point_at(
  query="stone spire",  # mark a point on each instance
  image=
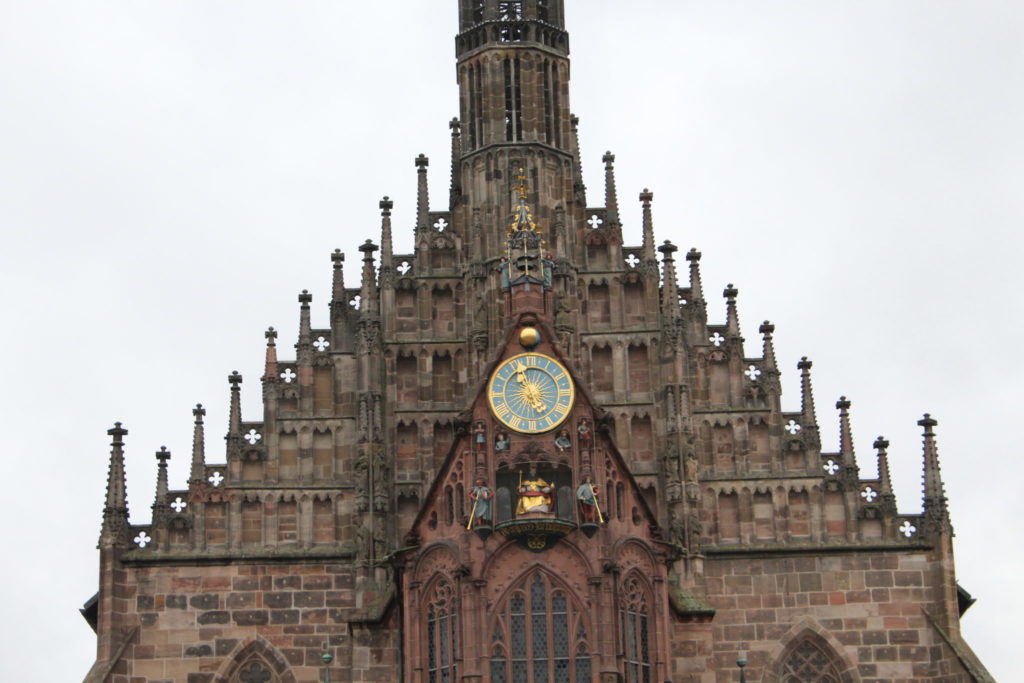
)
(670, 287)
(422, 195)
(235, 416)
(768, 349)
(304, 345)
(198, 470)
(386, 246)
(936, 512)
(851, 473)
(338, 276)
(886, 499)
(646, 197)
(270, 363)
(810, 418)
(611, 199)
(455, 192)
(845, 433)
(578, 188)
(696, 287)
(368, 295)
(732, 318)
(114, 531)
(161, 510)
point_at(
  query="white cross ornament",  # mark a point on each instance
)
(907, 529)
(321, 344)
(216, 478)
(792, 427)
(288, 376)
(404, 267)
(632, 260)
(143, 539)
(178, 505)
(595, 221)
(752, 373)
(716, 339)
(354, 302)
(441, 224)
(869, 494)
(831, 467)
(252, 437)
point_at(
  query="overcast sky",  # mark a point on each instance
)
(172, 174)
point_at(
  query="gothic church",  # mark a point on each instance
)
(526, 452)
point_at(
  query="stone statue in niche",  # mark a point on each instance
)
(583, 434)
(480, 437)
(501, 442)
(586, 496)
(534, 494)
(481, 496)
(562, 441)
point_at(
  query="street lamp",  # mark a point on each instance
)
(741, 662)
(327, 659)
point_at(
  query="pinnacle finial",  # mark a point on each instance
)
(611, 200)
(159, 507)
(197, 470)
(115, 509)
(235, 416)
(271, 335)
(385, 207)
(732, 319)
(768, 350)
(810, 418)
(936, 513)
(646, 197)
(881, 445)
(845, 432)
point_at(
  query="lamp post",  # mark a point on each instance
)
(327, 659)
(741, 662)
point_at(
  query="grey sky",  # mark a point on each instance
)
(172, 174)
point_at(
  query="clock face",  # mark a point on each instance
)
(531, 393)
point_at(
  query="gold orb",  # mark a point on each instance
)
(529, 337)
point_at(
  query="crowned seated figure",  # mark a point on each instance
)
(534, 495)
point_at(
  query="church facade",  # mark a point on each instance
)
(526, 452)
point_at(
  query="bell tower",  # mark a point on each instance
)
(513, 74)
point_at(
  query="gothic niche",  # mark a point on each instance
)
(535, 504)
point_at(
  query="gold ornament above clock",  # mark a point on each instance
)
(531, 393)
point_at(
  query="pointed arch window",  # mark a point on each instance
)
(442, 635)
(809, 662)
(539, 636)
(634, 617)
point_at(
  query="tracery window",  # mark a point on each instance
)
(510, 11)
(539, 637)
(635, 629)
(255, 671)
(442, 635)
(809, 663)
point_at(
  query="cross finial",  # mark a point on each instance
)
(368, 247)
(271, 335)
(927, 422)
(385, 206)
(646, 197)
(163, 455)
(455, 126)
(118, 433)
(843, 405)
(880, 444)
(608, 159)
(422, 162)
(667, 249)
(235, 379)
(693, 255)
(338, 257)
(730, 292)
(198, 413)
(766, 329)
(305, 297)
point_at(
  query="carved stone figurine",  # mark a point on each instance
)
(583, 433)
(481, 496)
(480, 437)
(586, 496)
(534, 494)
(501, 442)
(562, 441)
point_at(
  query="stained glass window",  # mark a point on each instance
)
(442, 635)
(541, 647)
(633, 615)
(809, 663)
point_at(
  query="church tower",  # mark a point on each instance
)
(525, 452)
